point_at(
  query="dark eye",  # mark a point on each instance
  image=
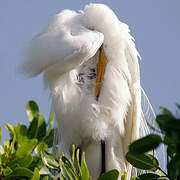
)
(91, 28)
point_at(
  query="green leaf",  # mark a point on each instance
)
(23, 130)
(12, 134)
(172, 148)
(174, 167)
(41, 147)
(25, 161)
(78, 162)
(36, 175)
(67, 173)
(142, 161)
(73, 154)
(20, 171)
(49, 160)
(169, 141)
(66, 162)
(165, 111)
(11, 130)
(7, 171)
(67, 169)
(21, 133)
(45, 178)
(49, 140)
(124, 176)
(148, 176)
(33, 128)
(168, 124)
(110, 175)
(171, 151)
(41, 127)
(84, 168)
(37, 128)
(6, 145)
(145, 144)
(26, 148)
(50, 124)
(36, 162)
(61, 177)
(32, 110)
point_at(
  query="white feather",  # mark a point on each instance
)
(149, 124)
(68, 47)
(64, 44)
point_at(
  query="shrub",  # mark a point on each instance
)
(27, 154)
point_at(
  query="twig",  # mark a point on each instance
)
(163, 172)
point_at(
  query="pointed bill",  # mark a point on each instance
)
(101, 67)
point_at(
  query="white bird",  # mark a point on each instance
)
(90, 64)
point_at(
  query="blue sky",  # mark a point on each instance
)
(154, 24)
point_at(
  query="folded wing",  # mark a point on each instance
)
(61, 46)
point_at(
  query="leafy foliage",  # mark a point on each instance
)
(27, 154)
(20, 155)
(139, 157)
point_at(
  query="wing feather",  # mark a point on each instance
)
(132, 123)
(149, 125)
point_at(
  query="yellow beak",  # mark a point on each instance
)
(101, 67)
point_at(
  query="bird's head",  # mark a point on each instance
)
(101, 18)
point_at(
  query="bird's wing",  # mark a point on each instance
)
(134, 110)
(132, 123)
(60, 45)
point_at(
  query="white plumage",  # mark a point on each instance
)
(67, 51)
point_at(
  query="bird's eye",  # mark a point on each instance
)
(91, 28)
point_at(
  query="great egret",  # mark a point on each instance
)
(90, 64)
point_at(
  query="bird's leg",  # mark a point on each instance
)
(103, 157)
